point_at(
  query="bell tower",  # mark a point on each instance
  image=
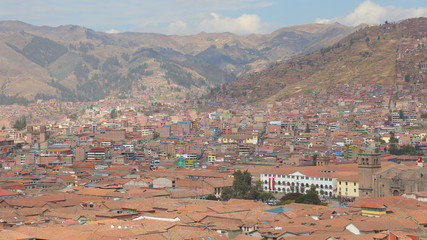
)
(322, 160)
(368, 165)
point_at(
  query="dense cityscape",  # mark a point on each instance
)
(249, 159)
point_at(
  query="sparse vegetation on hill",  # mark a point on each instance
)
(369, 54)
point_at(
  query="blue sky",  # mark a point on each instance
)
(184, 17)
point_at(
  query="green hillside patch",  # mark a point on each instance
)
(43, 51)
(176, 74)
(64, 66)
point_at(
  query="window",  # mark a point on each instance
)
(346, 183)
(355, 190)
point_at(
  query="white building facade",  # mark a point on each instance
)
(297, 182)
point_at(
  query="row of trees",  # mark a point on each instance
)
(311, 197)
(404, 150)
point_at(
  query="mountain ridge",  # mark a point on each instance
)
(79, 64)
(375, 53)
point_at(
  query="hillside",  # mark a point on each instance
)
(386, 54)
(75, 63)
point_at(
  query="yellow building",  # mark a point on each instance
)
(348, 186)
(374, 209)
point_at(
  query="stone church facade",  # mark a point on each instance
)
(376, 181)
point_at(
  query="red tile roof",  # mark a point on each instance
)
(4, 193)
(371, 205)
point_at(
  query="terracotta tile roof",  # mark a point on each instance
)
(394, 202)
(95, 192)
(12, 235)
(223, 223)
(184, 194)
(141, 205)
(371, 205)
(420, 216)
(385, 223)
(4, 193)
(246, 237)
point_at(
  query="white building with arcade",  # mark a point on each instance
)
(299, 180)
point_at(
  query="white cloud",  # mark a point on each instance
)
(244, 24)
(369, 12)
(177, 27)
(112, 31)
(166, 16)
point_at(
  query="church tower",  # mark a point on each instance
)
(368, 164)
(322, 160)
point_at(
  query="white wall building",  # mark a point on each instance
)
(296, 181)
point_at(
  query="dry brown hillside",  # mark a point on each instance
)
(74, 63)
(369, 54)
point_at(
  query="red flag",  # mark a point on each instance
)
(274, 182)
(269, 183)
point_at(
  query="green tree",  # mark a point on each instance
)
(311, 197)
(403, 150)
(227, 193)
(211, 197)
(242, 183)
(314, 159)
(401, 114)
(290, 197)
(393, 138)
(113, 113)
(74, 117)
(307, 128)
(265, 196)
(243, 188)
(17, 146)
(407, 78)
(20, 123)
